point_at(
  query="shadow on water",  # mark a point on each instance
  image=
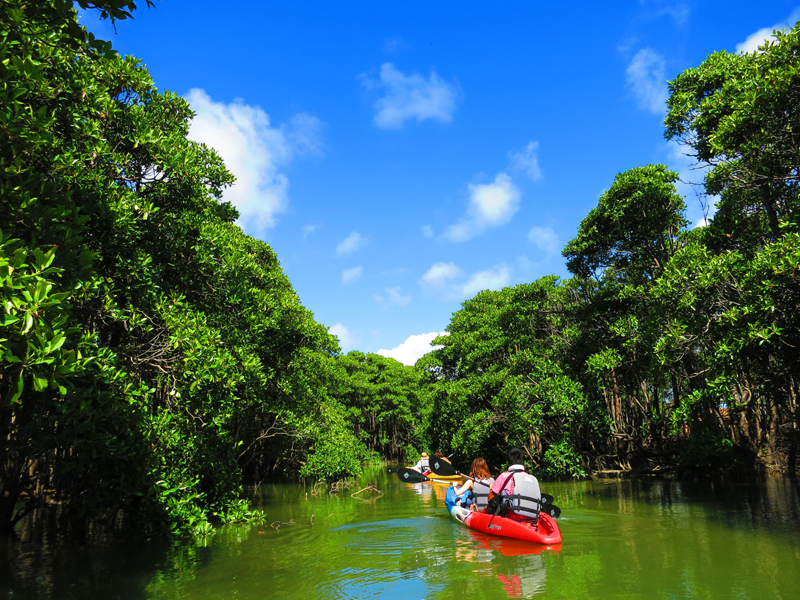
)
(47, 560)
(771, 504)
(663, 538)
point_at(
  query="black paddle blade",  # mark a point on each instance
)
(411, 476)
(441, 467)
(547, 499)
(552, 510)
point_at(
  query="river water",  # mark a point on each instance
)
(622, 539)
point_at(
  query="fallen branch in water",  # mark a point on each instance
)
(369, 487)
(277, 524)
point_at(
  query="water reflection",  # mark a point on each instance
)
(424, 489)
(519, 578)
(622, 539)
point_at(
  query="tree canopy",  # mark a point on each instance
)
(153, 357)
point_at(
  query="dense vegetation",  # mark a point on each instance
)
(154, 357)
(151, 352)
(669, 348)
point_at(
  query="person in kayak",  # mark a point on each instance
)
(443, 457)
(480, 484)
(515, 487)
(422, 464)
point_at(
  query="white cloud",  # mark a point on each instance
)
(439, 275)
(411, 97)
(347, 340)
(427, 231)
(395, 44)
(496, 202)
(486, 280)
(394, 297)
(527, 161)
(679, 12)
(445, 280)
(416, 346)
(545, 239)
(350, 244)
(754, 40)
(352, 275)
(253, 151)
(461, 232)
(647, 80)
(490, 205)
(305, 134)
(308, 230)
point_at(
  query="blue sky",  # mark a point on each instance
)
(402, 156)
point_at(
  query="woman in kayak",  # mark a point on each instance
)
(443, 457)
(479, 484)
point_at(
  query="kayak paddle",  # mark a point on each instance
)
(411, 476)
(442, 467)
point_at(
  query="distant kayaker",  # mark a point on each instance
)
(480, 485)
(505, 485)
(422, 464)
(443, 457)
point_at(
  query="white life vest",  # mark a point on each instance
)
(480, 491)
(527, 497)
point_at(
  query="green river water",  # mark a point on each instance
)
(622, 539)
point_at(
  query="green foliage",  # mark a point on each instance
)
(152, 356)
(337, 453)
(150, 349)
(381, 396)
(497, 381)
(739, 114)
(667, 342)
(634, 228)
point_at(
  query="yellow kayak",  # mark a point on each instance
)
(434, 476)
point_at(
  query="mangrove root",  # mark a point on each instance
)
(369, 487)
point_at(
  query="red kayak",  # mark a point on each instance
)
(544, 531)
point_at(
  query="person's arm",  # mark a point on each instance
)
(466, 487)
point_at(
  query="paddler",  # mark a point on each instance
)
(504, 485)
(480, 483)
(440, 455)
(423, 464)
